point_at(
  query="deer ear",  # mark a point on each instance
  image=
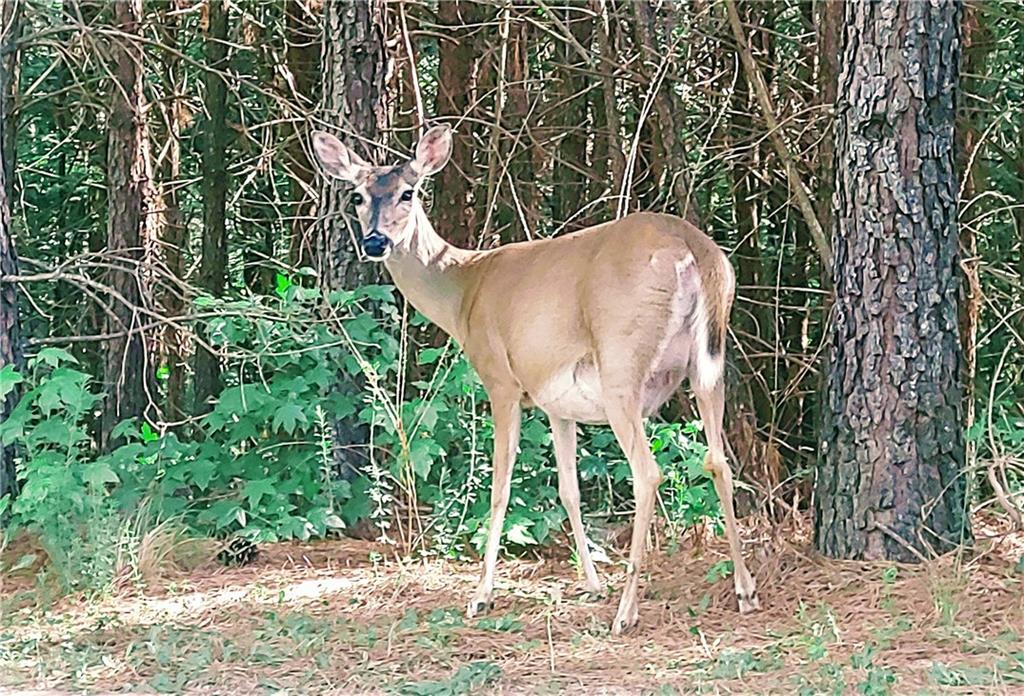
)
(338, 161)
(433, 150)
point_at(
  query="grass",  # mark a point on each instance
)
(349, 617)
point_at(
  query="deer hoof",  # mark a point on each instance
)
(749, 603)
(626, 619)
(478, 606)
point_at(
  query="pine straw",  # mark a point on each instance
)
(327, 618)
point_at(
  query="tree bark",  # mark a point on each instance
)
(521, 170)
(669, 154)
(10, 68)
(214, 259)
(570, 182)
(303, 58)
(608, 147)
(174, 232)
(456, 207)
(354, 101)
(975, 52)
(890, 480)
(10, 334)
(125, 364)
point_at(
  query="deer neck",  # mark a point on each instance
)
(430, 272)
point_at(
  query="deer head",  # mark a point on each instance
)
(385, 197)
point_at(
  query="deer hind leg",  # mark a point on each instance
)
(627, 423)
(563, 432)
(506, 413)
(711, 404)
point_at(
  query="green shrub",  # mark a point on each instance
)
(259, 463)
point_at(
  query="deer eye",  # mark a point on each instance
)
(357, 199)
(406, 195)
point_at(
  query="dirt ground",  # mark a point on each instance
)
(350, 617)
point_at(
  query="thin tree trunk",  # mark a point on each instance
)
(520, 169)
(608, 147)
(829, 23)
(890, 480)
(126, 369)
(669, 147)
(570, 182)
(214, 260)
(303, 58)
(456, 210)
(755, 316)
(173, 232)
(10, 334)
(968, 138)
(760, 89)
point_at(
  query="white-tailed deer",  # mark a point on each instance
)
(597, 326)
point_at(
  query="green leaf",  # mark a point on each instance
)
(55, 356)
(519, 533)
(202, 472)
(148, 434)
(421, 455)
(255, 490)
(163, 373)
(125, 429)
(24, 562)
(14, 427)
(381, 293)
(283, 283)
(98, 474)
(9, 379)
(359, 506)
(288, 416)
(429, 356)
(52, 431)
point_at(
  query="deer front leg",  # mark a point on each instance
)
(506, 414)
(563, 433)
(711, 404)
(627, 423)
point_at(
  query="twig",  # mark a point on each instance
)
(412, 69)
(899, 540)
(764, 98)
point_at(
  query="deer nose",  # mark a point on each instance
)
(376, 245)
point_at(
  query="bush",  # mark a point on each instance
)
(259, 463)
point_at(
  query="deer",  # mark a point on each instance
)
(598, 326)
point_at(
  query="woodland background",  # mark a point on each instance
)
(186, 332)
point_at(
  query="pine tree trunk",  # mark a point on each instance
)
(520, 168)
(126, 368)
(570, 182)
(174, 233)
(668, 158)
(214, 260)
(455, 205)
(10, 335)
(303, 58)
(975, 51)
(354, 99)
(608, 155)
(354, 69)
(890, 480)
